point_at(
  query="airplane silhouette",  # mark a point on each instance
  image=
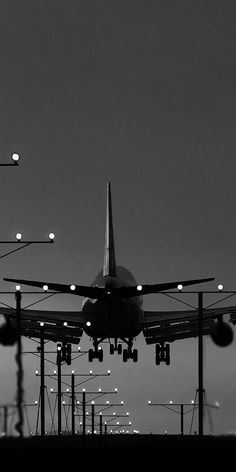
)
(113, 309)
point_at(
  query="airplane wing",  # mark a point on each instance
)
(54, 328)
(169, 326)
(82, 290)
(135, 290)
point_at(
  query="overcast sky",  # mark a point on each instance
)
(141, 93)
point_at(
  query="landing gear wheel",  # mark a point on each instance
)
(100, 355)
(135, 355)
(90, 355)
(112, 349)
(119, 349)
(125, 355)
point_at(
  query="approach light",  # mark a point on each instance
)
(36, 402)
(122, 403)
(59, 347)
(45, 288)
(92, 402)
(79, 348)
(116, 389)
(114, 413)
(84, 390)
(78, 402)
(15, 157)
(65, 323)
(54, 372)
(67, 389)
(130, 422)
(51, 390)
(149, 402)
(72, 371)
(108, 372)
(220, 287)
(117, 422)
(72, 287)
(107, 402)
(139, 288)
(63, 403)
(90, 372)
(36, 372)
(180, 287)
(51, 236)
(192, 401)
(18, 288)
(171, 402)
(88, 323)
(127, 413)
(18, 236)
(41, 324)
(99, 389)
(217, 404)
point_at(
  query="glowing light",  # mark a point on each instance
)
(79, 348)
(108, 372)
(65, 323)
(217, 404)
(18, 288)
(171, 402)
(15, 157)
(36, 402)
(51, 390)
(55, 372)
(122, 403)
(45, 288)
(59, 347)
(88, 323)
(99, 389)
(107, 402)
(220, 287)
(63, 403)
(139, 288)
(72, 371)
(51, 236)
(149, 402)
(36, 372)
(18, 236)
(90, 372)
(41, 324)
(116, 390)
(180, 287)
(127, 413)
(72, 287)
(130, 422)
(77, 402)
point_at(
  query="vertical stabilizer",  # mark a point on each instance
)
(109, 266)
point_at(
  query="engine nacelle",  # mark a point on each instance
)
(222, 334)
(8, 334)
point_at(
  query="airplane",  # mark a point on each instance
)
(112, 309)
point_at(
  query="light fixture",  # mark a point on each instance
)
(45, 288)
(51, 236)
(18, 236)
(88, 323)
(180, 287)
(15, 157)
(72, 287)
(220, 287)
(139, 288)
(18, 288)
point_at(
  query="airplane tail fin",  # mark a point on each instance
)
(109, 265)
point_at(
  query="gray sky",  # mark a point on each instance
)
(141, 94)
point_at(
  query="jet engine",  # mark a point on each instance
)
(8, 334)
(222, 333)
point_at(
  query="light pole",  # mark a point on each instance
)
(15, 157)
(23, 244)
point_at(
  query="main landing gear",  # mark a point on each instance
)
(96, 353)
(162, 353)
(128, 353)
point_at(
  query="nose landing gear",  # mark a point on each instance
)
(162, 354)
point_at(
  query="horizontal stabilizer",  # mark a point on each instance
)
(83, 291)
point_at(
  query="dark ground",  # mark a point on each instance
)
(120, 450)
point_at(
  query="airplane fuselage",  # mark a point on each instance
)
(110, 316)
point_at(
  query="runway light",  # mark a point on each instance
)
(45, 288)
(18, 288)
(36, 402)
(15, 157)
(108, 372)
(41, 324)
(18, 236)
(127, 413)
(72, 287)
(107, 402)
(55, 372)
(90, 372)
(139, 288)
(116, 390)
(79, 348)
(72, 371)
(51, 390)
(88, 323)
(99, 389)
(130, 422)
(192, 401)
(171, 402)
(78, 402)
(65, 323)
(180, 287)
(36, 372)
(220, 287)
(149, 402)
(51, 236)
(63, 403)
(122, 403)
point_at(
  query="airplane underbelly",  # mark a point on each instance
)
(111, 318)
